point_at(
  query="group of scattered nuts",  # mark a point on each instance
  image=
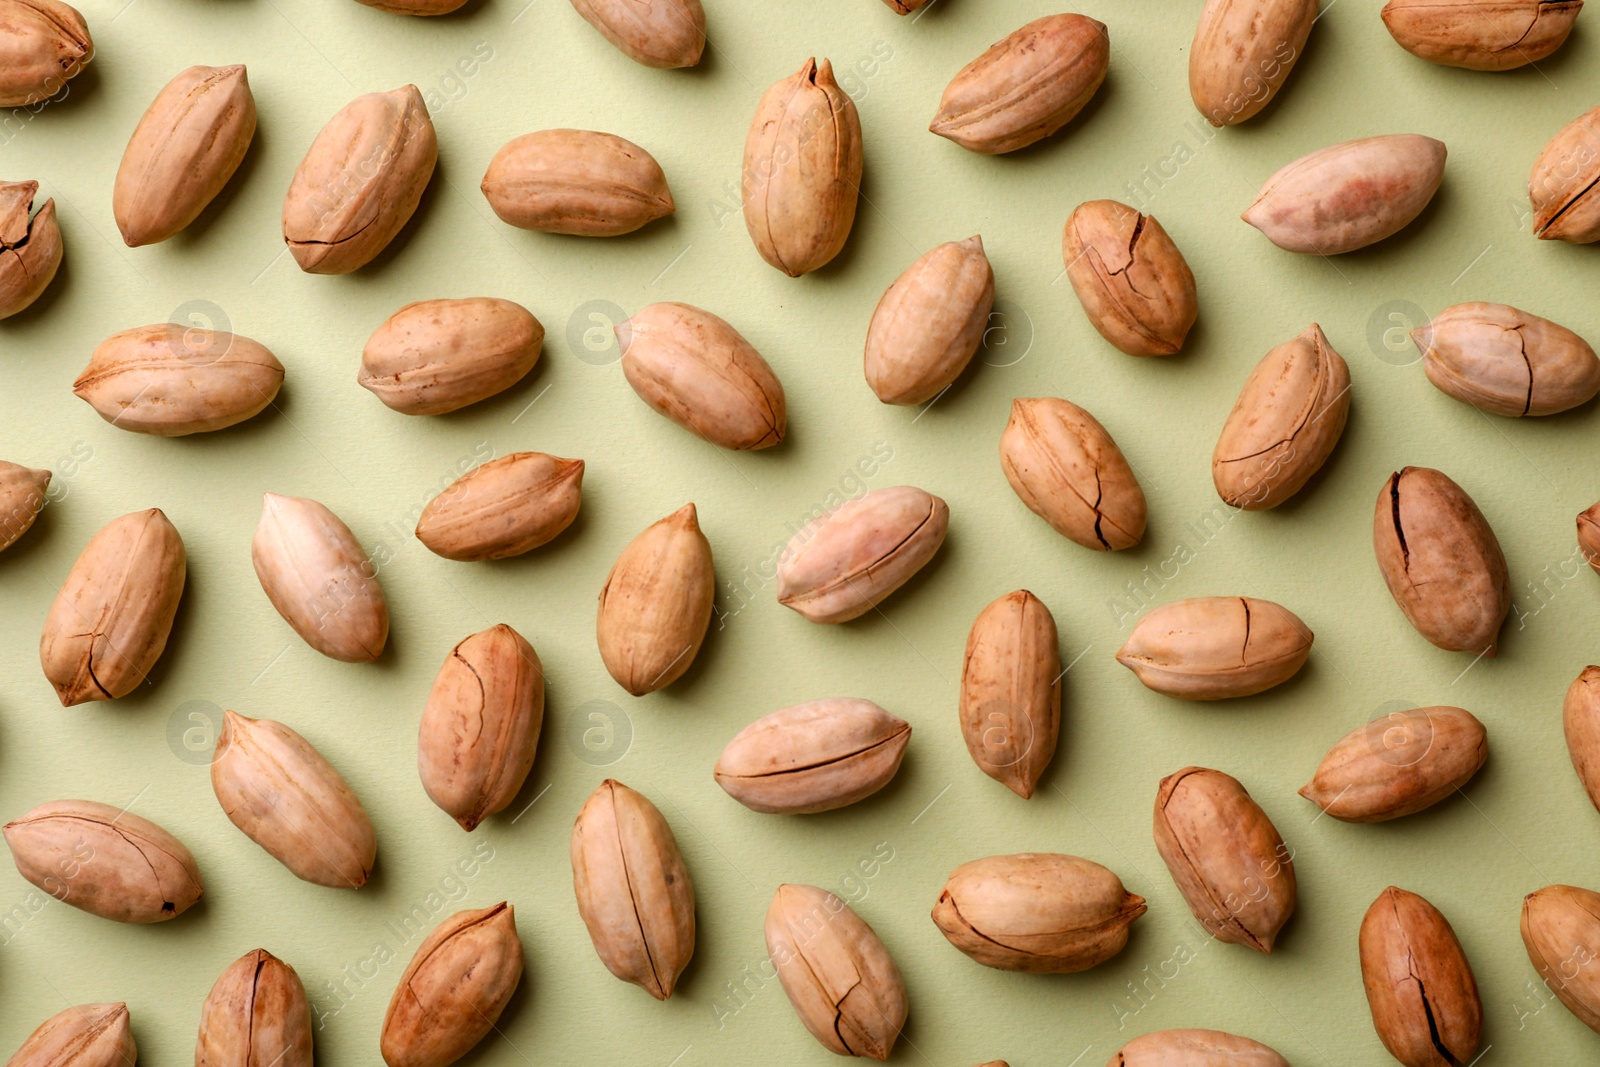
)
(360, 182)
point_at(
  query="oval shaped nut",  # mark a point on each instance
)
(1068, 470)
(170, 380)
(480, 728)
(843, 983)
(256, 1013)
(656, 604)
(1561, 185)
(22, 497)
(436, 356)
(1041, 913)
(43, 45)
(503, 508)
(30, 249)
(1441, 561)
(185, 148)
(1026, 86)
(1589, 535)
(1216, 647)
(1285, 424)
(105, 860)
(930, 323)
(112, 616)
(1350, 195)
(844, 563)
(1399, 764)
(1134, 284)
(360, 182)
(1502, 35)
(1225, 856)
(1195, 1048)
(454, 989)
(1507, 362)
(289, 800)
(1419, 985)
(633, 890)
(1242, 54)
(1561, 931)
(319, 578)
(1010, 703)
(802, 170)
(89, 1035)
(695, 369)
(665, 34)
(1580, 716)
(576, 182)
(816, 756)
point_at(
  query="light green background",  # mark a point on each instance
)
(1523, 823)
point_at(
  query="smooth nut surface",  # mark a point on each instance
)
(1589, 535)
(1507, 362)
(30, 249)
(1134, 284)
(845, 562)
(664, 34)
(1010, 703)
(1195, 1048)
(1419, 985)
(802, 170)
(1285, 424)
(1042, 913)
(360, 181)
(1349, 195)
(105, 860)
(43, 45)
(1068, 470)
(1498, 35)
(255, 1014)
(1561, 931)
(656, 604)
(1216, 647)
(319, 578)
(88, 1035)
(454, 989)
(170, 380)
(289, 800)
(1580, 718)
(838, 975)
(811, 757)
(437, 356)
(1242, 54)
(577, 182)
(1225, 856)
(480, 727)
(695, 369)
(1026, 86)
(503, 508)
(1399, 764)
(23, 494)
(1441, 561)
(185, 148)
(633, 890)
(1562, 183)
(110, 620)
(930, 323)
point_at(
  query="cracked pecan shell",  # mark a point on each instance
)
(105, 860)
(1561, 931)
(1481, 34)
(30, 249)
(256, 1015)
(1286, 422)
(1068, 470)
(1419, 985)
(1216, 647)
(1505, 361)
(1562, 183)
(840, 978)
(110, 621)
(1441, 561)
(1042, 913)
(454, 989)
(1134, 284)
(811, 757)
(43, 45)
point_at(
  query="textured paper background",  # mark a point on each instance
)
(1523, 823)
